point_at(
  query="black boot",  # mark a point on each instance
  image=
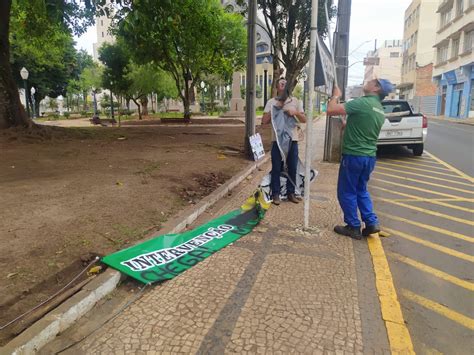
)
(348, 231)
(368, 230)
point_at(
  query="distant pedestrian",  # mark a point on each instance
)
(365, 117)
(291, 115)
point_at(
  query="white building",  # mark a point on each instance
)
(102, 26)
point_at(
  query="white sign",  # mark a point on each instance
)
(257, 146)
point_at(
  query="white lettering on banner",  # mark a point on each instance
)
(163, 256)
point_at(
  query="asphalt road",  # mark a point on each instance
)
(426, 204)
(452, 142)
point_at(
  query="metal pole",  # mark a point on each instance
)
(95, 103)
(26, 100)
(111, 105)
(250, 90)
(265, 88)
(341, 44)
(309, 124)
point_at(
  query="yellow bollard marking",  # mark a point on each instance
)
(420, 199)
(435, 272)
(440, 248)
(433, 213)
(429, 227)
(440, 309)
(397, 331)
(424, 182)
(427, 176)
(422, 190)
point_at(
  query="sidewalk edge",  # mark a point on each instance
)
(58, 320)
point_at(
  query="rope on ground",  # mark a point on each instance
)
(125, 306)
(96, 259)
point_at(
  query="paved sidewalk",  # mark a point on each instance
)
(277, 290)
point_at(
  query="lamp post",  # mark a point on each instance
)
(111, 101)
(203, 85)
(33, 91)
(265, 64)
(24, 75)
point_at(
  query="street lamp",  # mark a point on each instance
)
(33, 91)
(111, 101)
(24, 75)
(203, 85)
(265, 65)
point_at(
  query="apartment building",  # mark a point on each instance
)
(385, 62)
(454, 63)
(419, 36)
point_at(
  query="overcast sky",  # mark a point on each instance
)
(370, 20)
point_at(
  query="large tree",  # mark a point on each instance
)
(71, 15)
(288, 24)
(187, 38)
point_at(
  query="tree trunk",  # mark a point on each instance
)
(138, 106)
(186, 101)
(144, 103)
(12, 113)
(84, 104)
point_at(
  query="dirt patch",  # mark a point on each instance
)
(76, 191)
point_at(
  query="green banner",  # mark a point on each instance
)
(166, 256)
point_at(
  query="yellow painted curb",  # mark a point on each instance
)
(398, 334)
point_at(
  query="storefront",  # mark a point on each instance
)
(455, 93)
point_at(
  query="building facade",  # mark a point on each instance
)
(102, 26)
(454, 63)
(419, 36)
(385, 62)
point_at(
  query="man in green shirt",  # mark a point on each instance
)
(365, 117)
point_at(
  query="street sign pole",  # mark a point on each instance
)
(309, 121)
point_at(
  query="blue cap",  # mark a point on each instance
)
(386, 86)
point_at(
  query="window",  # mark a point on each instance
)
(455, 48)
(393, 107)
(442, 54)
(459, 7)
(102, 22)
(445, 18)
(394, 54)
(415, 37)
(468, 41)
(102, 34)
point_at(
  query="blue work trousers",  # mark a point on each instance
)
(277, 167)
(352, 193)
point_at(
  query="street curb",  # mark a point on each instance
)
(61, 318)
(453, 120)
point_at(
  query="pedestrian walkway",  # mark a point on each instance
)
(277, 290)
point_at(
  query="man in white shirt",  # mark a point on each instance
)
(294, 111)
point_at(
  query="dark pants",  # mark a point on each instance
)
(277, 167)
(352, 193)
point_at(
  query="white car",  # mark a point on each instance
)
(403, 127)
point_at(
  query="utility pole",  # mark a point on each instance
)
(309, 122)
(341, 44)
(250, 90)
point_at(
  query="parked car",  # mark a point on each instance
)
(403, 127)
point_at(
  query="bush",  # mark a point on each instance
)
(84, 113)
(221, 109)
(260, 108)
(66, 115)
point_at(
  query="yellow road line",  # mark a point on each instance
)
(452, 168)
(440, 309)
(418, 169)
(433, 213)
(428, 227)
(440, 248)
(416, 164)
(435, 272)
(420, 189)
(432, 199)
(420, 199)
(427, 176)
(425, 182)
(397, 331)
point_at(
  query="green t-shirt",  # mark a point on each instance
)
(365, 117)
